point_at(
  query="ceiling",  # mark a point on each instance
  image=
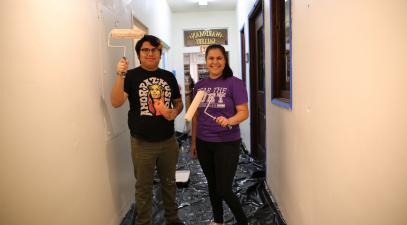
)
(179, 6)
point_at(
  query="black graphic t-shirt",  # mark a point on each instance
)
(145, 90)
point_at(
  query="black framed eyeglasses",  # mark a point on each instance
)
(148, 50)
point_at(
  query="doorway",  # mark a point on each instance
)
(194, 70)
(257, 83)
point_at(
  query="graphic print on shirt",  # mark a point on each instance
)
(214, 97)
(153, 92)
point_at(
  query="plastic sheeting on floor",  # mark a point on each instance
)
(193, 199)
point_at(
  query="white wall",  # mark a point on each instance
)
(339, 156)
(155, 14)
(64, 151)
(202, 20)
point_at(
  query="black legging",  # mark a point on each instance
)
(219, 163)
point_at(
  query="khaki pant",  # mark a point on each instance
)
(146, 157)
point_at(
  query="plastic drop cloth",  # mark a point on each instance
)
(193, 199)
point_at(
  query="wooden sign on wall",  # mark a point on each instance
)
(205, 37)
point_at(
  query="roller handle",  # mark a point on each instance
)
(227, 126)
(123, 74)
(214, 118)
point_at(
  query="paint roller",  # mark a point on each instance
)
(123, 34)
(194, 105)
(210, 100)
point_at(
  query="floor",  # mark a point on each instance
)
(193, 199)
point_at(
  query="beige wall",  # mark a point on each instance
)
(339, 157)
(64, 151)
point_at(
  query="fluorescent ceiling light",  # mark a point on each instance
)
(203, 2)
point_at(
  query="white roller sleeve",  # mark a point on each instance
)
(126, 34)
(194, 105)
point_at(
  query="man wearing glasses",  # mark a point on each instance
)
(153, 143)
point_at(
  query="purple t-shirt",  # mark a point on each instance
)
(222, 95)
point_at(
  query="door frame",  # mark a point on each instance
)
(243, 55)
(254, 134)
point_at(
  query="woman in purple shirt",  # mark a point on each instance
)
(216, 134)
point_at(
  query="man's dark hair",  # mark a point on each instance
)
(153, 40)
(227, 71)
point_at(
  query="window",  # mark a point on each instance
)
(281, 52)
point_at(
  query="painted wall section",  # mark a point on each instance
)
(339, 156)
(64, 151)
